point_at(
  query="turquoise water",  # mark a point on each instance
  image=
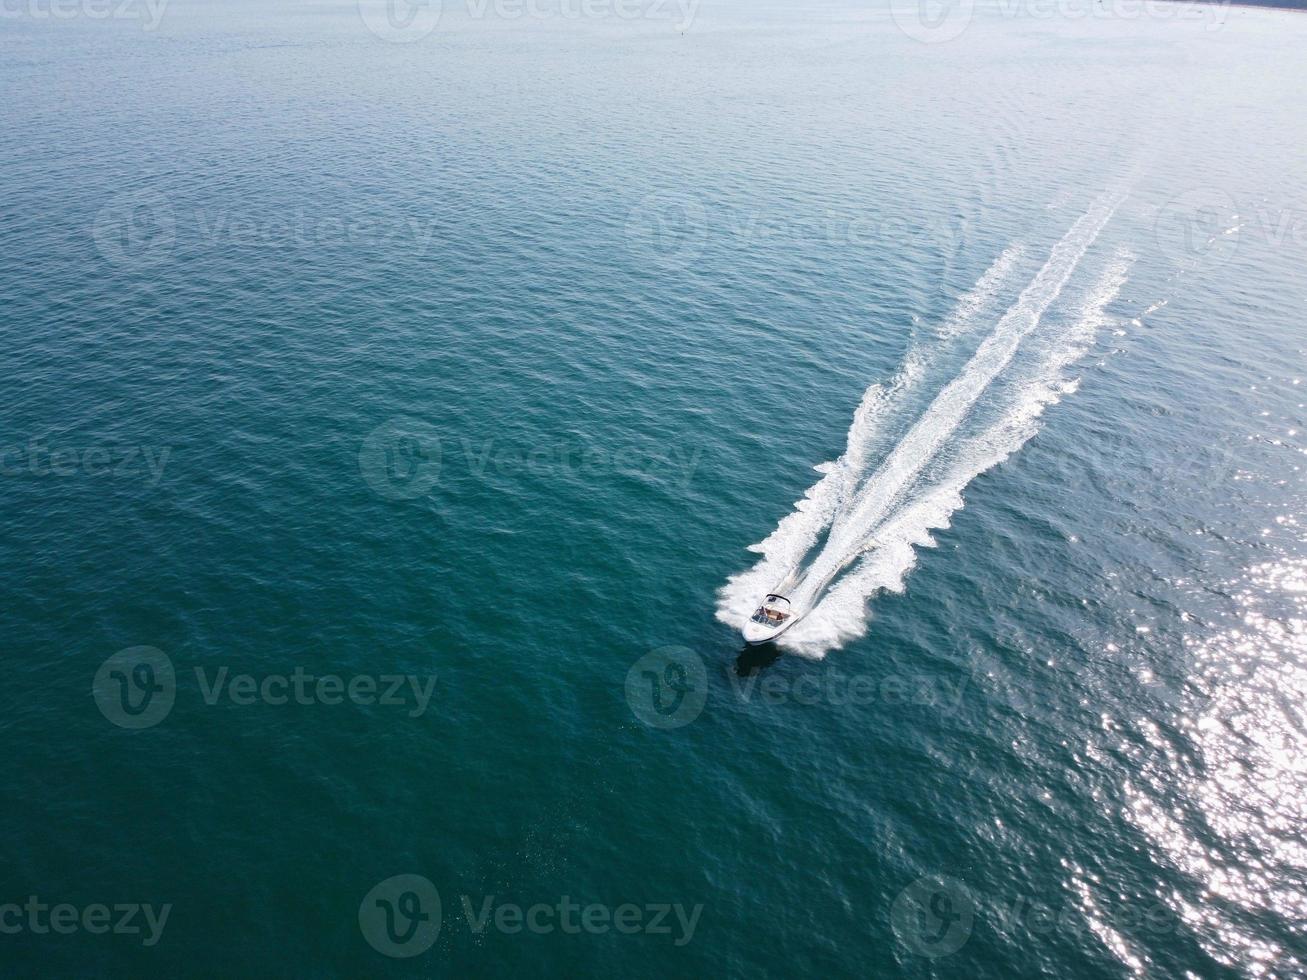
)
(512, 360)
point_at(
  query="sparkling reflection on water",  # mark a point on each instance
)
(1224, 803)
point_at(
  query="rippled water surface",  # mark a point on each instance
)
(513, 357)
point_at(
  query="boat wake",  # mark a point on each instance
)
(856, 530)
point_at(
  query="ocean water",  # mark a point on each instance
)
(511, 354)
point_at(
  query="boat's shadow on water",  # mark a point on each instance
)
(752, 660)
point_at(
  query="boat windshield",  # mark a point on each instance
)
(775, 609)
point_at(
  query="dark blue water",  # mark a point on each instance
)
(391, 408)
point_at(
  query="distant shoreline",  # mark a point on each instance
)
(1274, 4)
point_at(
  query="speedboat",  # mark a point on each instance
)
(769, 620)
(777, 612)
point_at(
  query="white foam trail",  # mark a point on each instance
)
(951, 405)
(798, 531)
(879, 509)
(975, 301)
(842, 614)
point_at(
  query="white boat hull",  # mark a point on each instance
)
(756, 633)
